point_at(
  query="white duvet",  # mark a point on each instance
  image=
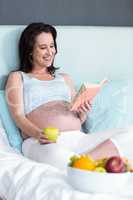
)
(23, 179)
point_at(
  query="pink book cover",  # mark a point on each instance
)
(86, 93)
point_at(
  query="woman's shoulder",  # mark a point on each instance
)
(65, 75)
(14, 76)
(67, 78)
(15, 73)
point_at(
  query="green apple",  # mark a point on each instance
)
(51, 133)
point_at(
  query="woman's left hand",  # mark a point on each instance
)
(83, 110)
(86, 107)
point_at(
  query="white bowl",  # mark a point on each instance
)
(90, 181)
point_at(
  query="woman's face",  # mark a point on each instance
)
(43, 51)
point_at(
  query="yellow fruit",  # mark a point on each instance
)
(84, 162)
(73, 159)
(100, 169)
(51, 133)
(129, 167)
(101, 162)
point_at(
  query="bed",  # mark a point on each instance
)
(87, 54)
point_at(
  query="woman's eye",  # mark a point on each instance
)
(43, 48)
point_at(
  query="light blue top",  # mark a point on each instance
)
(38, 92)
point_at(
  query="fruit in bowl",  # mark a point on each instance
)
(51, 133)
(82, 162)
(88, 175)
(114, 164)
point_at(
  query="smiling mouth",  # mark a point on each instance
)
(47, 59)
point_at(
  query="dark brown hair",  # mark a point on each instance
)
(27, 42)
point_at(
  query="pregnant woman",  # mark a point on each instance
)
(38, 96)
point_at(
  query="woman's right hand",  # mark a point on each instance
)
(42, 138)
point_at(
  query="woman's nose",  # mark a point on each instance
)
(49, 52)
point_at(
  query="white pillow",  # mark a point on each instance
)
(3, 137)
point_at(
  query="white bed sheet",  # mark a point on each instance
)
(21, 179)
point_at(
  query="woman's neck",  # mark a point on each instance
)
(39, 71)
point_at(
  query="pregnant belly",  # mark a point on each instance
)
(55, 114)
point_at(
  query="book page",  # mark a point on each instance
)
(86, 93)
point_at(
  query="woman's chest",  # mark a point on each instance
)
(46, 91)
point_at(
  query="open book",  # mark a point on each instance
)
(86, 93)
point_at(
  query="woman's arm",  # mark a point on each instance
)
(82, 111)
(14, 96)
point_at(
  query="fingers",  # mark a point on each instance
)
(86, 107)
(43, 139)
(43, 136)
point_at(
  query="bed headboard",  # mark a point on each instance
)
(85, 52)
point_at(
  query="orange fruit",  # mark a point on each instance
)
(84, 162)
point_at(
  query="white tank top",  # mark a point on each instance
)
(37, 92)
